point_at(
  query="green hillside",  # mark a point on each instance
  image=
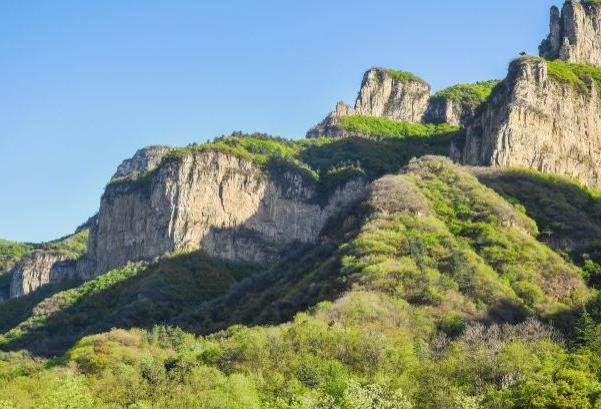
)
(434, 293)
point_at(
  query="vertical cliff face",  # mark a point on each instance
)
(217, 202)
(575, 33)
(446, 111)
(538, 120)
(393, 94)
(38, 268)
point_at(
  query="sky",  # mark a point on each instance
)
(84, 84)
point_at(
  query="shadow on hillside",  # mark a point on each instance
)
(151, 296)
(376, 156)
(568, 215)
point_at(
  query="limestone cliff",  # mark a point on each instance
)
(392, 94)
(225, 205)
(538, 119)
(38, 268)
(575, 34)
(384, 93)
(144, 160)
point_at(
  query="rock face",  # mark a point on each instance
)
(575, 34)
(384, 93)
(38, 268)
(144, 160)
(392, 95)
(222, 204)
(537, 121)
(446, 111)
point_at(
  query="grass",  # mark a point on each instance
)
(472, 95)
(388, 128)
(404, 76)
(574, 74)
(74, 245)
(11, 252)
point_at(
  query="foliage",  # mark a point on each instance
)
(574, 74)
(472, 95)
(404, 76)
(434, 293)
(136, 295)
(74, 245)
(388, 128)
(328, 163)
(567, 213)
(11, 252)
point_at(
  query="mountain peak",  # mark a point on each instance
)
(575, 33)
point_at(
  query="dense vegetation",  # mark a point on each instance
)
(577, 75)
(567, 213)
(471, 95)
(136, 295)
(433, 294)
(384, 127)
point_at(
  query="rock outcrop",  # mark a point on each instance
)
(144, 160)
(222, 204)
(384, 93)
(392, 94)
(575, 34)
(38, 268)
(536, 120)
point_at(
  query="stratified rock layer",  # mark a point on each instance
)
(575, 34)
(219, 203)
(536, 121)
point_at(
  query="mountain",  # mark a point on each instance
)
(416, 250)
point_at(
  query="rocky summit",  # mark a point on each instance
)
(418, 249)
(575, 33)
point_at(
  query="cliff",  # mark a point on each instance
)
(48, 263)
(225, 205)
(575, 33)
(405, 98)
(144, 160)
(386, 93)
(38, 268)
(544, 115)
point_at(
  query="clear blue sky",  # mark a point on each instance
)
(83, 84)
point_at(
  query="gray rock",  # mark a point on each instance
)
(535, 121)
(386, 95)
(211, 201)
(383, 94)
(144, 160)
(446, 111)
(38, 268)
(575, 33)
